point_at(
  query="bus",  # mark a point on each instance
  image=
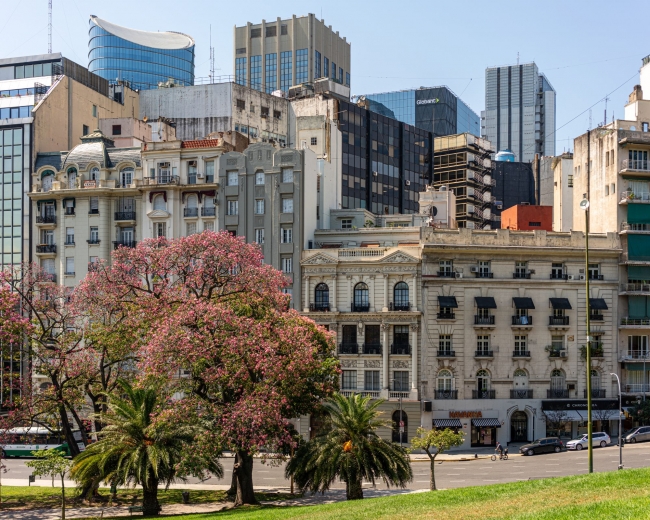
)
(21, 442)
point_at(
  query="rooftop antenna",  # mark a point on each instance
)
(211, 57)
(605, 120)
(517, 58)
(49, 26)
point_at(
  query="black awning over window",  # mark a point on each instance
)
(447, 423)
(447, 301)
(523, 303)
(598, 304)
(485, 302)
(560, 303)
(486, 422)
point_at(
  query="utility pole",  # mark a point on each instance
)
(49, 27)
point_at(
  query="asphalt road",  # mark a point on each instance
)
(449, 474)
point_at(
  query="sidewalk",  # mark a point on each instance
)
(467, 454)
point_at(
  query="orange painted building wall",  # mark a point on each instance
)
(527, 218)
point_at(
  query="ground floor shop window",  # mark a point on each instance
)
(484, 436)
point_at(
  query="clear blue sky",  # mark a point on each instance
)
(586, 48)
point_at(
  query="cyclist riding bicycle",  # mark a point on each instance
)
(499, 448)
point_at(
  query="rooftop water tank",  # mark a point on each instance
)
(505, 156)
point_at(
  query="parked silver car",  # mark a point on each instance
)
(598, 439)
(640, 434)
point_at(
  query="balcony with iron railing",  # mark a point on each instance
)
(69, 273)
(446, 316)
(522, 321)
(46, 249)
(483, 394)
(399, 306)
(125, 215)
(635, 355)
(596, 393)
(636, 388)
(556, 352)
(163, 179)
(635, 198)
(635, 322)
(371, 348)
(484, 274)
(635, 165)
(446, 274)
(348, 348)
(484, 353)
(596, 317)
(483, 320)
(93, 241)
(558, 321)
(557, 393)
(639, 288)
(69, 241)
(521, 353)
(596, 277)
(521, 394)
(597, 350)
(558, 276)
(360, 307)
(446, 394)
(124, 243)
(191, 178)
(520, 275)
(319, 307)
(208, 212)
(446, 353)
(46, 219)
(190, 212)
(400, 349)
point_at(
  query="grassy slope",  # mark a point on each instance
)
(621, 495)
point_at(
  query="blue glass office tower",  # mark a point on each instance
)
(437, 110)
(142, 58)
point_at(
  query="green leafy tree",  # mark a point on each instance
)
(350, 450)
(641, 412)
(51, 463)
(435, 442)
(139, 445)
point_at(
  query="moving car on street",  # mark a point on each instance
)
(598, 439)
(544, 445)
(640, 434)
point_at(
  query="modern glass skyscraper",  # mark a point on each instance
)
(142, 58)
(519, 111)
(436, 109)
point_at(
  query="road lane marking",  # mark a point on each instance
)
(456, 481)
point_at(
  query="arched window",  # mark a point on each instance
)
(445, 382)
(46, 180)
(72, 178)
(483, 384)
(322, 294)
(400, 426)
(401, 296)
(192, 206)
(94, 174)
(558, 384)
(159, 203)
(126, 177)
(361, 301)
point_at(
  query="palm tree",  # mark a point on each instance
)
(350, 450)
(133, 449)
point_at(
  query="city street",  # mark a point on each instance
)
(449, 474)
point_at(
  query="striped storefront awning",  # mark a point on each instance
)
(447, 423)
(486, 422)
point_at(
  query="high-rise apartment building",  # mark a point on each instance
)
(436, 109)
(519, 111)
(276, 55)
(141, 58)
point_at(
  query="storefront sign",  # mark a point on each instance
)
(581, 404)
(426, 101)
(465, 415)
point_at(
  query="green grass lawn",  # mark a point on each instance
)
(616, 495)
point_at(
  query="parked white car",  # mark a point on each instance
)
(599, 439)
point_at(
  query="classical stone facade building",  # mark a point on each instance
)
(504, 332)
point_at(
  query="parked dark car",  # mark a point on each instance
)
(544, 445)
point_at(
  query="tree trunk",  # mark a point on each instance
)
(244, 470)
(432, 483)
(62, 497)
(233, 482)
(150, 497)
(354, 489)
(67, 430)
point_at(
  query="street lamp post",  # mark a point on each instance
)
(584, 205)
(620, 422)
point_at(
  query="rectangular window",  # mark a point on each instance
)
(94, 110)
(302, 68)
(446, 267)
(208, 225)
(286, 70)
(521, 343)
(606, 190)
(287, 205)
(69, 265)
(557, 270)
(444, 343)
(349, 380)
(287, 235)
(271, 31)
(557, 342)
(241, 104)
(284, 30)
(271, 72)
(94, 235)
(241, 71)
(371, 380)
(233, 178)
(160, 230)
(346, 223)
(637, 346)
(233, 207)
(287, 175)
(85, 130)
(256, 33)
(326, 67)
(264, 112)
(190, 228)
(535, 224)
(259, 178)
(521, 269)
(334, 71)
(347, 79)
(93, 259)
(340, 75)
(317, 65)
(277, 114)
(287, 264)
(69, 236)
(606, 158)
(483, 344)
(259, 206)
(117, 129)
(570, 181)
(314, 141)
(259, 236)
(401, 381)
(94, 205)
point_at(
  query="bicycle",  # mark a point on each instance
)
(502, 456)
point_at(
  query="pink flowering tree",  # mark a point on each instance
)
(210, 318)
